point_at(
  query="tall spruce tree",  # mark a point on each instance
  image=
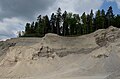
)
(109, 17)
(84, 23)
(47, 25)
(98, 21)
(36, 29)
(41, 26)
(53, 23)
(88, 29)
(58, 20)
(27, 29)
(65, 24)
(76, 24)
(103, 19)
(91, 21)
(32, 28)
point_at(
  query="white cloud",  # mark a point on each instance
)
(117, 1)
(76, 6)
(110, 0)
(10, 26)
(87, 5)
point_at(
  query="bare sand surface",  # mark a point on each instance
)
(92, 56)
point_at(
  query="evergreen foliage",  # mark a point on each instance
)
(69, 24)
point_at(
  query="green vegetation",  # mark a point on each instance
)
(69, 24)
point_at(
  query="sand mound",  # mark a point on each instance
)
(103, 37)
(92, 56)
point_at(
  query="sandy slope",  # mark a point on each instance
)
(92, 56)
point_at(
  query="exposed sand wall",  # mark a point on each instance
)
(92, 56)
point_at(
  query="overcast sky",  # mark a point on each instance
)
(15, 13)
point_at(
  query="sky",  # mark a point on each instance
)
(15, 13)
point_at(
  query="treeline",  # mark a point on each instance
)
(69, 24)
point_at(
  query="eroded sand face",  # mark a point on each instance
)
(92, 56)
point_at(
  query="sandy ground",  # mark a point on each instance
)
(92, 56)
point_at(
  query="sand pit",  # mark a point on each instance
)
(92, 56)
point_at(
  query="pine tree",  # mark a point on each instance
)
(65, 24)
(117, 21)
(27, 29)
(36, 29)
(53, 23)
(71, 18)
(76, 24)
(88, 29)
(39, 19)
(32, 28)
(84, 23)
(91, 22)
(103, 19)
(98, 20)
(58, 20)
(47, 25)
(41, 26)
(109, 17)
